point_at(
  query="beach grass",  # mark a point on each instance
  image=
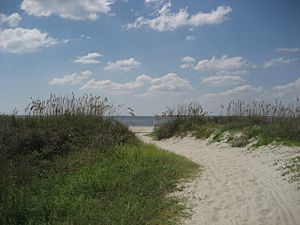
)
(129, 185)
(68, 162)
(257, 123)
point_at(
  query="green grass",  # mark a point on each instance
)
(236, 130)
(68, 162)
(204, 131)
(240, 123)
(126, 186)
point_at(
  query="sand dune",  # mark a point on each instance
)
(237, 186)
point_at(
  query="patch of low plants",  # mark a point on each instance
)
(239, 141)
(291, 169)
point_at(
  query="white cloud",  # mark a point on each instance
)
(108, 85)
(223, 63)
(71, 79)
(278, 61)
(169, 83)
(90, 58)
(69, 9)
(288, 49)
(190, 38)
(168, 21)
(12, 20)
(124, 65)
(188, 62)
(224, 80)
(188, 59)
(216, 16)
(19, 40)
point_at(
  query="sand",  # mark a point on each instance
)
(237, 186)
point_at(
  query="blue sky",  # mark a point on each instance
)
(150, 54)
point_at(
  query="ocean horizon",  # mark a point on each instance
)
(141, 120)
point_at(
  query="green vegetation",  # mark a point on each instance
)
(291, 169)
(257, 123)
(68, 164)
(126, 186)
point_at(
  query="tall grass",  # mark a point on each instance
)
(57, 105)
(30, 145)
(265, 121)
(68, 162)
(262, 109)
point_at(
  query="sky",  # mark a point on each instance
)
(150, 54)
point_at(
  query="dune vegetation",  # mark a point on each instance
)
(255, 123)
(68, 162)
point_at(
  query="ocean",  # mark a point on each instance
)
(140, 120)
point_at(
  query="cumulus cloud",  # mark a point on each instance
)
(124, 65)
(278, 61)
(288, 49)
(71, 79)
(187, 62)
(19, 40)
(69, 9)
(168, 21)
(222, 80)
(188, 59)
(12, 20)
(223, 63)
(108, 85)
(90, 58)
(169, 83)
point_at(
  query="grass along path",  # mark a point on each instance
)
(237, 186)
(125, 187)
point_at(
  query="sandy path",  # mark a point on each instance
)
(237, 187)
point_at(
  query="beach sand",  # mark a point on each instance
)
(237, 186)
